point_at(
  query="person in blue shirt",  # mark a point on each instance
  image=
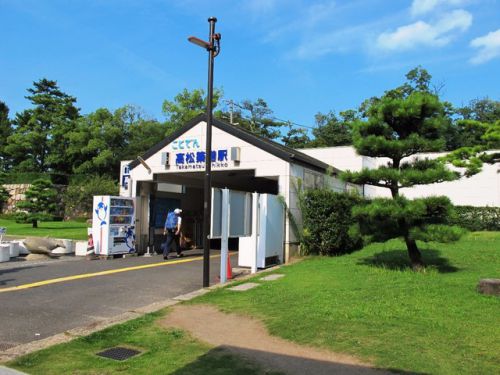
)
(172, 229)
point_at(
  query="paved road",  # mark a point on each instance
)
(36, 313)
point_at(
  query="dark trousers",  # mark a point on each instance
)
(172, 243)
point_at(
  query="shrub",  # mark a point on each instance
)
(8, 216)
(21, 217)
(4, 196)
(327, 222)
(477, 218)
(22, 177)
(40, 203)
(78, 198)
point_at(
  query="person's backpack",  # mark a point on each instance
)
(171, 220)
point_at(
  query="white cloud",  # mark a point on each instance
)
(458, 19)
(328, 42)
(421, 33)
(319, 12)
(311, 17)
(419, 7)
(489, 47)
(260, 7)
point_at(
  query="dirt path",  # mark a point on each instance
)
(249, 338)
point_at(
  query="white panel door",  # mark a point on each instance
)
(271, 230)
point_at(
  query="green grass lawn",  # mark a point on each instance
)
(368, 304)
(371, 305)
(163, 352)
(56, 229)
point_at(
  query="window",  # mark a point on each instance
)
(313, 180)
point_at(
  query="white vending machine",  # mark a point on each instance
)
(113, 225)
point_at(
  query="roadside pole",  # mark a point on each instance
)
(224, 249)
(255, 222)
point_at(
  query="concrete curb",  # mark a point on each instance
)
(10, 371)
(60, 338)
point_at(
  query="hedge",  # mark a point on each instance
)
(327, 222)
(477, 218)
(78, 198)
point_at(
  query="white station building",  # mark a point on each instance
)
(174, 168)
(242, 161)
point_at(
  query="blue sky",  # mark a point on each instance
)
(302, 57)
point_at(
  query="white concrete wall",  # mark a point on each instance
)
(342, 157)
(483, 189)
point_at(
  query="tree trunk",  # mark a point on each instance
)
(34, 222)
(415, 256)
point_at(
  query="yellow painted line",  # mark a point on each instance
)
(101, 273)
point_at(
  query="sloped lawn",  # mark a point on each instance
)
(371, 305)
(162, 352)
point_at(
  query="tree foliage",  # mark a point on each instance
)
(403, 122)
(333, 131)
(5, 132)
(40, 141)
(296, 138)
(471, 158)
(40, 202)
(100, 140)
(256, 117)
(187, 105)
(97, 143)
(4, 196)
(78, 196)
(483, 110)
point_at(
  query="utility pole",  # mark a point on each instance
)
(213, 48)
(231, 110)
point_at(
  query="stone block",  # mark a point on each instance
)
(272, 277)
(244, 287)
(40, 245)
(489, 286)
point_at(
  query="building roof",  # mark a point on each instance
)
(283, 152)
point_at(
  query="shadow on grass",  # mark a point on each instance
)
(398, 260)
(242, 361)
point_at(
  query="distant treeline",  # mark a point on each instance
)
(52, 138)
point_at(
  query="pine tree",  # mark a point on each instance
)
(40, 138)
(5, 132)
(403, 122)
(40, 202)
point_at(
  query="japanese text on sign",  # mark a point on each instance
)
(196, 159)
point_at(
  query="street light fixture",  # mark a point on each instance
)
(213, 48)
(199, 42)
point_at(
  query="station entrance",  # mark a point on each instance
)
(184, 190)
